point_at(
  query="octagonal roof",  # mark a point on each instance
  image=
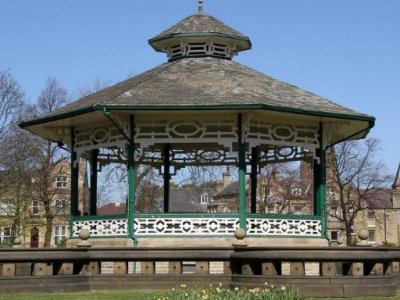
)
(201, 78)
(207, 83)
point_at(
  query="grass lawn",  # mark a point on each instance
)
(128, 295)
(98, 295)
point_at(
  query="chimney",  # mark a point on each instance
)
(226, 178)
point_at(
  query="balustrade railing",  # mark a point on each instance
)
(146, 225)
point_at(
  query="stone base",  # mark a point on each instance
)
(203, 242)
(226, 241)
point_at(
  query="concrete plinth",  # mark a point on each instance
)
(229, 241)
(103, 242)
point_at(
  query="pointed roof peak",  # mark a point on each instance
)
(198, 23)
(200, 3)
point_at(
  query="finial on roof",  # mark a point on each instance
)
(200, 2)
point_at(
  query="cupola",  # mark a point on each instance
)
(200, 35)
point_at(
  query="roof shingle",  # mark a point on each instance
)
(206, 81)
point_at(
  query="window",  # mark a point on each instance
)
(298, 208)
(371, 236)
(35, 207)
(334, 211)
(371, 215)
(61, 182)
(330, 194)
(204, 198)
(352, 232)
(268, 192)
(5, 235)
(60, 233)
(60, 207)
(295, 191)
(334, 235)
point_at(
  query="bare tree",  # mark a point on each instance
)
(274, 188)
(97, 85)
(354, 177)
(11, 99)
(47, 155)
(13, 182)
(18, 183)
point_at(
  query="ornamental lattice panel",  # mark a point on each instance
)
(185, 226)
(261, 132)
(150, 132)
(199, 226)
(105, 135)
(286, 227)
(114, 227)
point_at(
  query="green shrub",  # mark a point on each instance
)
(269, 292)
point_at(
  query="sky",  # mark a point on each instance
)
(347, 51)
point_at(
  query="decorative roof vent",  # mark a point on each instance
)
(200, 35)
(200, 49)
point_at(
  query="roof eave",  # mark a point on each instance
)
(343, 116)
(58, 117)
(154, 41)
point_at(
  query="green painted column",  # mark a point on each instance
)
(253, 179)
(93, 182)
(74, 177)
(131, 179)
(167, 176)
(320, 183)
(242, 174)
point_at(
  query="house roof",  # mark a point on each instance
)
(380, 199)
(112, 208)
(188, 199)
(232, 189)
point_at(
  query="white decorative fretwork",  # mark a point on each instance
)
(150, 132)
(177, 226)
(185, 226)
(283, 154)
(284, 227)
(103, 136)
(103, 228)
(260, 132)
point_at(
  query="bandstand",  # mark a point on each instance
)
(200, 108)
